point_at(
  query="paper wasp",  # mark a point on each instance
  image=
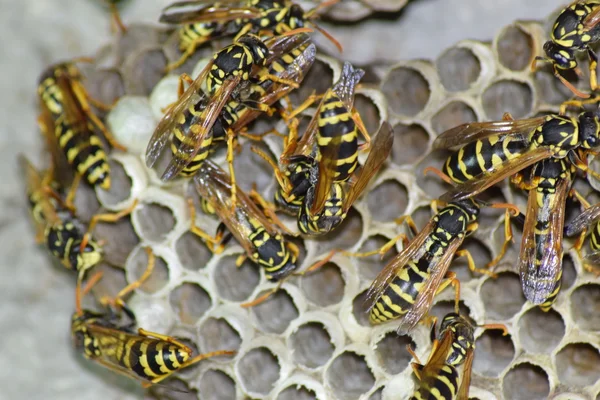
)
(139, 354)
(452, 347)
(407, 285)
(588, 222)
(204, 21)
(69, 124)
(492, 151)
(575, 29)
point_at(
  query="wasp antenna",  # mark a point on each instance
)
(313, 12)
(329, 37)
(570, 86)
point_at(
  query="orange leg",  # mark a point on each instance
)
(213, 243)
(439, 173)
(107, 217)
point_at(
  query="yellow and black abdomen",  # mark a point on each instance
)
(198, 33)
(443, 387)
(151, 359)
(271, 253)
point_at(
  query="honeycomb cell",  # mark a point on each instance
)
(493, 353)
(132, 123)
(370, 266)
(144, 70)
(578, 364)
(391, 352)
(458, 68)
(430, 183)
(585, 303)
(296, 392)
(550, 89)
(349, 376)
(113, 280)
(515, 48)
(345, 236)
(192, 252)
(452, 114)
(377, 395)
(258, 370)
(251, 170)
(311, 345)
(217, 334)
(136, 36)
(509, 96)
(276, 313)
(236, 283)
(155, 221)
(569, 273)
(441, 308)
(368, 111)
(216, 385)
(119, 240)
(387, 201)
(104, 85)
(410, 143)
(190, 302)
(503, 296)
(177, 389)
(360, 309)
(407, 90)
(120, 186)
(318, 79)
(536, 340)
(137, 264)
(526, 382)
(481, 256)
(325, 286)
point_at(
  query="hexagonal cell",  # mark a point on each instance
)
(144, 70)
(387, 201)
(192, 251)
(481, 255)
(370, 266)
(155, 221)
(406, 90)
(503, 296)
(136, 266)
(458, 68)
(349, 376)
(360, 309)
(216, 385)
(493, 353)
(295, 392)
(276, 313)
(259, 370)
(526, 382)
(536, 340)
(344, 236)
(325, 286)
(515, 48)
(452, 114)
(391, 352)
(578, 364)
(368, 111)
(251, 169)
(176, 389)
(236, 283)
(189, 301)
(410, 143)
(550, 89)
(585, 302)
(113, 280)
(119, 240)
(311, 345)
(217, 334)
(509, 96)
(120, 186)
(135, 36)
(104, 85)
(431, 183)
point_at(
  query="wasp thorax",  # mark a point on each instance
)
(259, 50)
(562, 57)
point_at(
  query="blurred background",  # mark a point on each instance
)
(36, 359)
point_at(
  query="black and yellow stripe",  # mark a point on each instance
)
(444, 387)
(270, 252)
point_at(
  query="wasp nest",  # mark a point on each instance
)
(312, 339)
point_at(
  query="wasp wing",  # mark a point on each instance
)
(592, 19)
(282, 44)
(583, 220)
(37, 191)
(465, 383)
(437, 359)
(185, 12)
(346, 85)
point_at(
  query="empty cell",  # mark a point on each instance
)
(585, 306)
(509, 96)
(493, 353)
(431, 183)
(276, 313)
(311, 345)
(119, 240)
(526, 382)
(406, 90)
(258, 370)
(370, 266)
(369, 113)
(251, 170)
(192, 252)
(120, 186)
(458, 68)
(236, 283)
(217, 334)
(515, 49)
(410, 143)
(503, 296)
(216, 385)
(452, 114)
(176, 389)
(421, 216)
(324, 286)
(360, 309)
(155, 221)
(578, 364)
(189, 301)
(295, 392)
(144, 70)
(344, 236)
(113, 280)
(160, 274)
(392, 354)
(550, 89)
(481, 256)
(387, 201)
(535, 339)
(105, 85)
(349, 376)
(136, 36)
(377, 395)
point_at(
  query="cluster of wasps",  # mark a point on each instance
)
(319, 178)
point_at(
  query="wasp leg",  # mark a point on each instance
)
(187, 53)
(471, 263)
(70, 198)
(116, 17)
(81, 292)
(108, 217)
(508, 238)
(439, 173)
(593, 65)
(307, 103)
(415, 366)
(269, 211)
(501, 327)
(361, 127)
(230, 148)
(214, 244)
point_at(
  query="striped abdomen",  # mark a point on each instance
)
(481, 156)
(595, 238)
(443, 387)
(271, 253)
(149, 358)
(328, 218)
(547, 305)
(338, 131)
(198, 33)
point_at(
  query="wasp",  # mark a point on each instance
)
(492, 151)
(587, 224)
(204, 21)
(405, 288)
(453, 346)
(575, 29)
(148, 357)
(69, 124)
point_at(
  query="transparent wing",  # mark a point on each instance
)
(346, 85)
(282, 44)
(36, 187)
(437, 359)
(465, 383)
(583, 220)
(184, 12)
(593, 18)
